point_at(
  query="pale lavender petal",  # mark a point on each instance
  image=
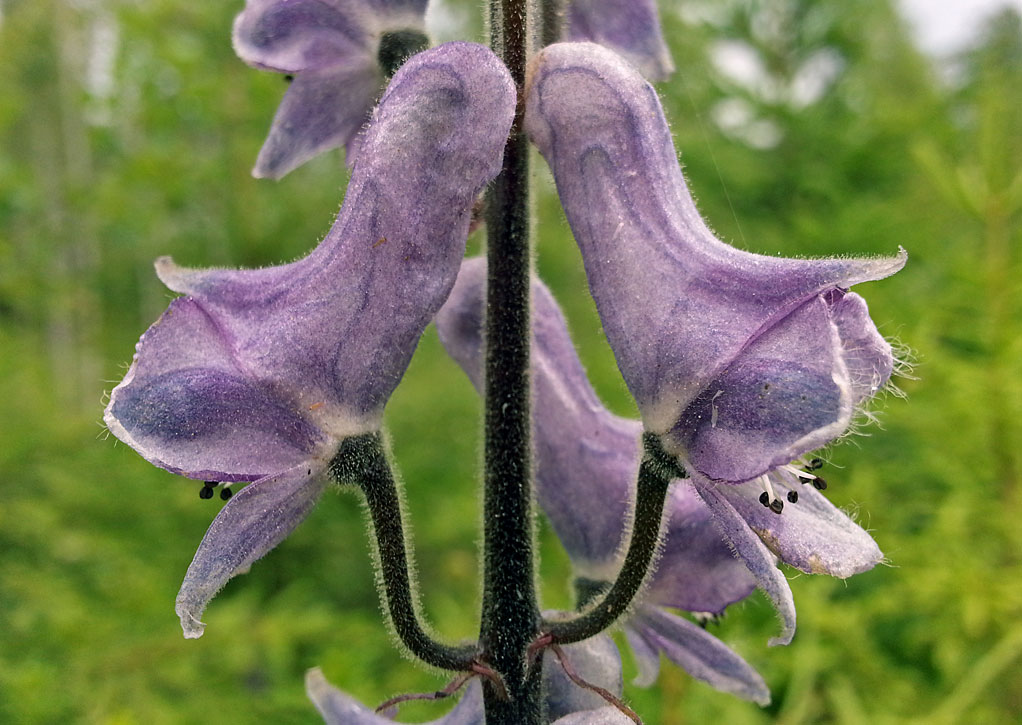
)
(608, 715)
(320, 111)
(699, 653)
(785, 394)
(628, 27)
(338, 708)
(587, 460)
(811, 534)
(678, 305)
(332, 48)
(647, 656)
(594, 660)
(186, 406)
(696, 570)
(867, 355)
(332, 333)
(254, 521)
(754, 553)
(291, 36)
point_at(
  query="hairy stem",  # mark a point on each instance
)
(363, 462)
(510, 616)
(656, 472)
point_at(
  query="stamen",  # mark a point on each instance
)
(815, 464)
(226, 492)
(797, 472)
(819, 483)
(793, 496)
(764, 498)
(777, 505)
(206, 492)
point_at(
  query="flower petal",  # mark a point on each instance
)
(608, 715)
(785, 394)
(338, 708)
(678, 305)
(647, 656)
(594, 660)
(700, 654)
(253, 522)
(187, 407)
(628, 27)
(753, 552)
(333, 333)
(696, 570)
(867, 355)
(298, 35)
(811, 534)
(320, 111)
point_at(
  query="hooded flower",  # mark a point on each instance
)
(742, 363)
(595, 660)
(630, 28)
(587, 460)
(339, 53)
(258, 375)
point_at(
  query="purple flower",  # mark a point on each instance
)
(742, 363)
(337, 52)
(587, 460)
(630, 28)
(595, 660)
(258, 375)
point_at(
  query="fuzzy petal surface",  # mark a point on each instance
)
(253, 522)
(331, 48)
(630, 28)
(812, 535)
(596, 661)
(697, 652)
(608, 715)
(754, 553)
(188, 406)
(307, 352)
(679, 307)
(322, 109)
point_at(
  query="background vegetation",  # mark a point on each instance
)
(128, 130)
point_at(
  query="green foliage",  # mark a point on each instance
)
(97, 180)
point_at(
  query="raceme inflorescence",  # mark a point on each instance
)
(742, 366)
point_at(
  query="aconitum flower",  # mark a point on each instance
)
(587, 460)
(258, 375)
(742, 363)
(595, 661)
(630, 28)
(339, 54)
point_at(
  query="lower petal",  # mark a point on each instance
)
(253, 522)
(320, 111)
(700, 654)
(754, 553)
(811, 534)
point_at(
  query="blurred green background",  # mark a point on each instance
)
(128, 130)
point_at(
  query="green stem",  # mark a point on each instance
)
(362, 461)
(656, 472)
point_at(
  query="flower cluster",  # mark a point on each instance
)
(741, 365)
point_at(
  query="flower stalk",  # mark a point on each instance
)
(656, 472)
(363, 462)
(510, 613)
